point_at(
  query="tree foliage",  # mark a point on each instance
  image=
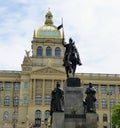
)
(116, 115)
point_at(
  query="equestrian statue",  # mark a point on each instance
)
(71, 57)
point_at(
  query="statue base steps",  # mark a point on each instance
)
(60, 120)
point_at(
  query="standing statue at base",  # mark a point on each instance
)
(57, 100)
(71, 57)
(90, 98)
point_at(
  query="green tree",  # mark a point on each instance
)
(116, 115)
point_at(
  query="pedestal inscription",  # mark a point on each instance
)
(73, 82)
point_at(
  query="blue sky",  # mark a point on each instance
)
(93, 24)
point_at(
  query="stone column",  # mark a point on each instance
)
(34, 86)
(43, 92)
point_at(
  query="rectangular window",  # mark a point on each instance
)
(16, 101)
(7, 100)
(112, 102)
(112, 89)
(118, 89)
(103, 89)
(7, 86)
(16, 86)
(104, 103)
(38, 100)
(47, 99)
(25, 101)
(25, 85)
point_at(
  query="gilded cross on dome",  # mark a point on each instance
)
(48, 9)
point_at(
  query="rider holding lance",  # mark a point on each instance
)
(70, 48)
(71, 55)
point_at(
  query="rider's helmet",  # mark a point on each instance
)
(70, 40)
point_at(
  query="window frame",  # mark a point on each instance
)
(7, 100)
(57, 52)
(39, 51)
(48, 51)
(38, 100)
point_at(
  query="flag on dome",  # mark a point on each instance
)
(60, 26)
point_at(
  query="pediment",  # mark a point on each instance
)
(48, 70)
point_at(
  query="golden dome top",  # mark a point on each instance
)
(48, 30)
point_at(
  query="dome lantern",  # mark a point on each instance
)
(49, 17)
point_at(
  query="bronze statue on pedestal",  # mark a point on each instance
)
(71, 57)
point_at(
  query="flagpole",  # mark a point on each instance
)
(63, 36)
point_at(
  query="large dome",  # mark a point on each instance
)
(48, 30)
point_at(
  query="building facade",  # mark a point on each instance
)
(25, 95)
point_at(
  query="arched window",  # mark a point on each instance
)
(6, 115)
(38, 99)
(48, 51)
(47, 114)
(104, 117)
(104, 103)
(7, 100)
(16, 101)
(38, 118)
(39, 51)
(57, 52)
(37, 114)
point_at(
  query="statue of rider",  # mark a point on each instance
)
(70, 47)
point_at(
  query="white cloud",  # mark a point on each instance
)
(93, 24)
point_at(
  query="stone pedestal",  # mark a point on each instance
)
(91, 120)
(73, 106)
(73, 100)
(58, 120)
(73, 96)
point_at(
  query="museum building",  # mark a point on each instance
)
(25, 95)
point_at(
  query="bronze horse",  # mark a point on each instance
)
(70, 64)
(71, 57)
